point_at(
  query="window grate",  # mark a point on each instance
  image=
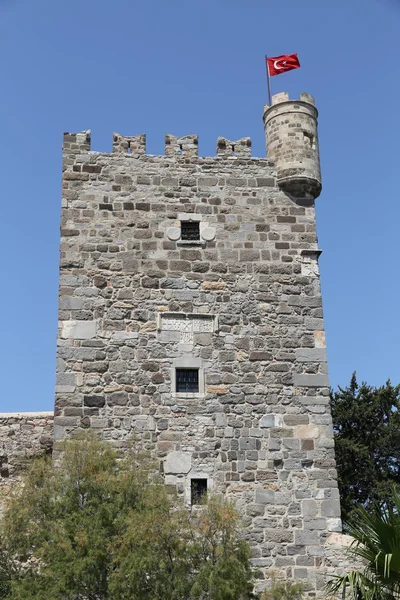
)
(198, 491)
(190, 230)
(187, 380)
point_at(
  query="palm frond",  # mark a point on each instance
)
(355, 585)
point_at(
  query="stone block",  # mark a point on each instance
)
(334, 524)
(220, 419)
(279, 535)
(319, 337)
(98, 423)
(247, 444)
(78, 330)
(309, 380)
(66, 421)
(292, 420)
(311, 355)
(141, 423)
(94, 401)
(318, 524)
(330, 508)
(178, 463)
(274, 444)
(265, 182)
(263, 496)
(305, 537)
(213, 285)
(260, 355)
(217, 389)
(271, 420)
(125, 335)
(313, 323)
(118, 398)
(65, 378)
(59, 433)
(291, 443)
(70, 303)
(300, 573)
(307, 431)
(309, 508)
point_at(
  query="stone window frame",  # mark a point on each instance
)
(188, 362)
(194, 218)
(202, 496)
(207, 232)
(188, 486)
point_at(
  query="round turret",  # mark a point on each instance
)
(291, 130)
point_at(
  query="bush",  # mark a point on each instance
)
(100, 527)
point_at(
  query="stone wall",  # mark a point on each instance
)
(241, 305)
(22, 436)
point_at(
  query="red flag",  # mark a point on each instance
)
(281, 64)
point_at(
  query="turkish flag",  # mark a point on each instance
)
(281, 64)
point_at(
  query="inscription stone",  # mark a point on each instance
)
(187, 325)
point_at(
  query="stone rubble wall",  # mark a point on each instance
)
(242, 305)
(22, 437)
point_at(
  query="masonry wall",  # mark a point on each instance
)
(22, 437)
(242, 305)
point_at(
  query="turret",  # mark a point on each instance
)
(291, 130)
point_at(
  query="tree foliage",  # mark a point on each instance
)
(99, 527)
(366, 423)
(376, 544)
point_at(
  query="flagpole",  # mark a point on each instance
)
(268, 81)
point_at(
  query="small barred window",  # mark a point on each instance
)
(187, 380)
(190, 230)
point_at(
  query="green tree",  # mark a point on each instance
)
(94, 526)
(376, 545)
(366, 422)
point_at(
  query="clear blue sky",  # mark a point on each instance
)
(186, 66)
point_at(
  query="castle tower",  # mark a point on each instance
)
(292, 138)
(191, 316)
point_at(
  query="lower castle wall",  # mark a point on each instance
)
(22, 436)
(26, 435)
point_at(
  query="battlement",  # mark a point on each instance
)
(134, 145)
(284, 97)
(240, 148)
(185, 147)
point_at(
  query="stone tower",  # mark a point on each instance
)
(191, 315)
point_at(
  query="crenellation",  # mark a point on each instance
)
(280, 97)
(185, 147)
(134, 145)
(228, 149)
(77, 142)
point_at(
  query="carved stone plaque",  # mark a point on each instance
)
(187, 324)
(309, 263)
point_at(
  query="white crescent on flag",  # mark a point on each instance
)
(276, 64)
